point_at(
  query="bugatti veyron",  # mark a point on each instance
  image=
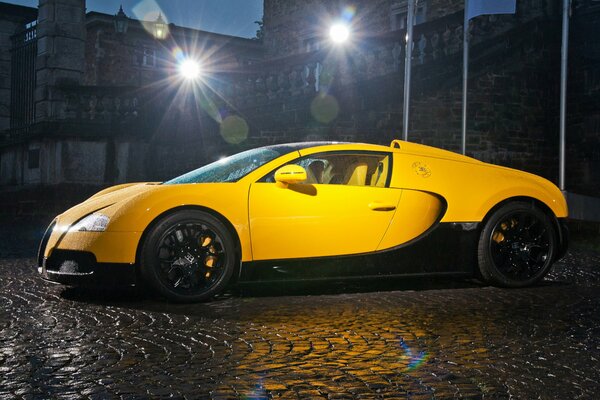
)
(316, 210)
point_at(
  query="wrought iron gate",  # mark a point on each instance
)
(22, 83)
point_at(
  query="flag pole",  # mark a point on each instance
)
(463, 146)
(563, 91)
(407, 66)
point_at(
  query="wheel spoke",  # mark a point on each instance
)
(520, 245)
(190, 257)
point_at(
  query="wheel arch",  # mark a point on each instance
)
(219, 216)
(534, 203)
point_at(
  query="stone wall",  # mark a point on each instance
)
(513, 101)
(136, 58)
(289, 25)
(583, 105)
(60, 47)
(109, 132)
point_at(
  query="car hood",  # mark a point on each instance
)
(104, 199)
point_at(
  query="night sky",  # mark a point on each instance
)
(230, 17)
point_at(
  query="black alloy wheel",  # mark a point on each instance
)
(516, 246)
(188, 256)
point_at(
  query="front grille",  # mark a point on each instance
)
(71, 262)
(44, 243)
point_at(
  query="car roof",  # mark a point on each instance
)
(397, 146)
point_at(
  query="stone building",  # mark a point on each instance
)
(513, 82)
(89, 99)
(103, 105)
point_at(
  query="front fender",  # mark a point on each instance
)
(227, 199)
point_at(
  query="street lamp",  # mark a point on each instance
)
(339, 33)
(161, 29)
(121, 21)
(190, 69)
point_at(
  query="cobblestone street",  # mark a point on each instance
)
(368, 340)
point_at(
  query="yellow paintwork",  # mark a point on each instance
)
(470, 187)
(318, 220)
(275, 221)
(290, 174)
(122, 245)
(416, 213)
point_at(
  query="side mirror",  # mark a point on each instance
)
(289, 174)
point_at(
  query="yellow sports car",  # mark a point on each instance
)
(317, 210)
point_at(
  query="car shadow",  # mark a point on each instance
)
(350, 286)
(124, 295)
(242, 301)
(277, 289)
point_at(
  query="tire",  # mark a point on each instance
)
(188, 256)
(517, 246)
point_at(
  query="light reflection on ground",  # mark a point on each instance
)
(393, 339)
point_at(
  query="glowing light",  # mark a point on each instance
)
(190, 69)
(161, 29)
(339, 33)
(150, 15)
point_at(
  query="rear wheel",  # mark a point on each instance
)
(188, 256)
(516, 246)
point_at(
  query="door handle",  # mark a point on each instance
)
(377, 206)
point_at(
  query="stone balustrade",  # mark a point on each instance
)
(93, 103)
(373, 57)
(281, 81)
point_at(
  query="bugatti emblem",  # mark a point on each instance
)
(421, 169)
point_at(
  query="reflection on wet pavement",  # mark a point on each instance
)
(392, 339)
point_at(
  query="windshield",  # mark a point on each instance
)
(235, 167)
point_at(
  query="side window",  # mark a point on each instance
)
(344, 168)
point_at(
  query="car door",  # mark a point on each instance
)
(344, 207)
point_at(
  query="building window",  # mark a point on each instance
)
(30, 31)
(399, 11)
(149, 57)
(311, 44)
(33, 158)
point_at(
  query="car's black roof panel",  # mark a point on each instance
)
(300, 145)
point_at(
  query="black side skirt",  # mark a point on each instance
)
(448, 249)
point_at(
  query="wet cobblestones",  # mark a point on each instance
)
(442, 341)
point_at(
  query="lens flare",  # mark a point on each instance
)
(234, 129)
(415, 360)
(147, 12)
(178, 54)
(324, 108)
(348, 13)
(190, 69)
(339, 32)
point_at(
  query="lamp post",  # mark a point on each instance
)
(339, 33)
(407, 67)
(160, 28)
(190, 69)
(121, 21)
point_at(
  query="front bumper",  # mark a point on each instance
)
(80, 268)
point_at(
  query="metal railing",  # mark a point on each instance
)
(23, 78)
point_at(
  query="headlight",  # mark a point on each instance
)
(91, 223)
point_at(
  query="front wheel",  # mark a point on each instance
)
(188, 256)
(516, 246)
